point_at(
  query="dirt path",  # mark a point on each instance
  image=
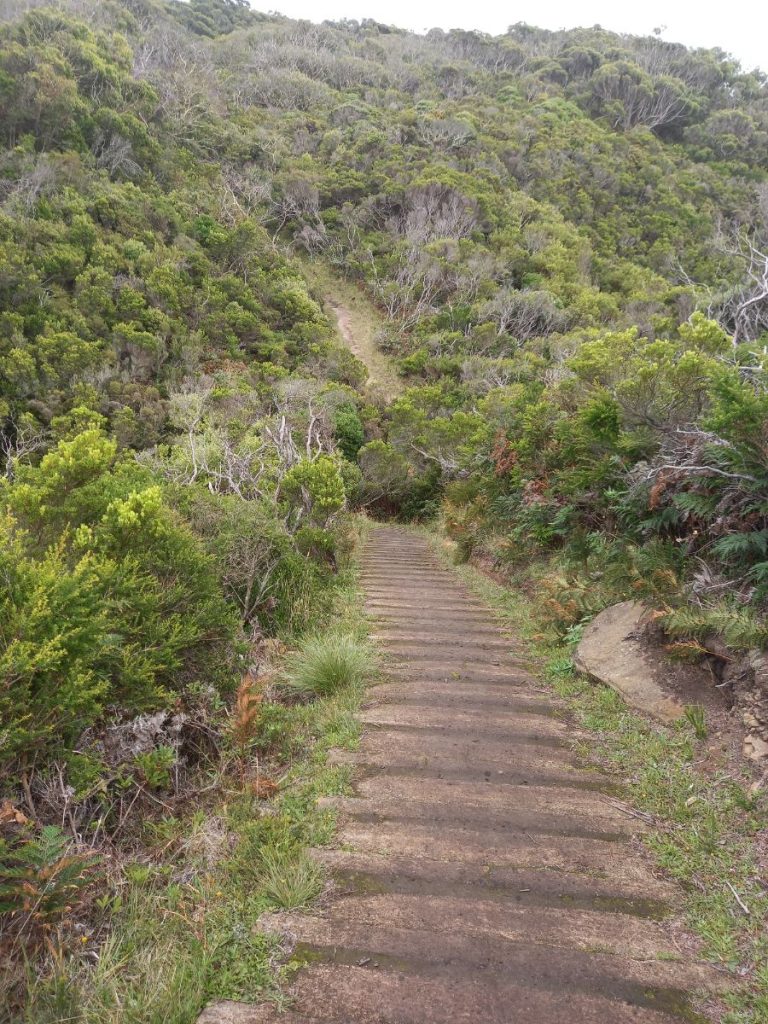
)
(357, 332)
(481, 875)
(358, 321)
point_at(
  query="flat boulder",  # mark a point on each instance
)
(616, 650)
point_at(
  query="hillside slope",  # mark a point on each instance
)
(562, 238)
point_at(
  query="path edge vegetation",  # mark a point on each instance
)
(179, 926)
(703, 829)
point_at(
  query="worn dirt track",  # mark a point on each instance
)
(357, 334)
(481, 874)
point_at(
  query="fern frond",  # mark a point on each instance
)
(739, 628)
(741, 545)
(694, 503)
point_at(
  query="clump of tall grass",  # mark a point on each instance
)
(330, 662)
(290, 879)
(152, 966)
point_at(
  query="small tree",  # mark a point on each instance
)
(315, 491)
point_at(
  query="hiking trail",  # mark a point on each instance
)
(358, 337)
(357, 321)
(481, 874)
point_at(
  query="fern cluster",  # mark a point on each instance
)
(40, 876)
(740, 627)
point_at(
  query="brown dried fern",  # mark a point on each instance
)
(246, 714)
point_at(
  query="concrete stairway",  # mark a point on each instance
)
(481, 874)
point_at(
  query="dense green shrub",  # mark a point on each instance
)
(110, 598)
(349, 432)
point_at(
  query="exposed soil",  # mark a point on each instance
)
(358, 337)
(625, 648)
(482, 873)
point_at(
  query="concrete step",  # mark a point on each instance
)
(408, 615)
(229, 1012)
(409, 576)
(370, 764)
(477, 675)
(342, 993)
(505, 723)
(457, 796)
(525, 750)
(369, 872)
(397, 599)
(462, 655)
(517, 821)
(597, 858)
(466, 670)
(505, 921)
(488, 697)
(434, 953)
(430, 637)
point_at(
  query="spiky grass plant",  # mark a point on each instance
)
(696, 718)
(329, 663)
(290, 879)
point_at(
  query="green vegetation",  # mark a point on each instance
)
(109, 598)
(178, 927)
(290, 880)
(178, 429)
(556, 240)
(330, 662)
(707, 822)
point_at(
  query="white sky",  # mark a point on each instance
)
(739, 27)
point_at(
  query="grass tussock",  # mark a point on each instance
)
(329, 663)
(290, 880)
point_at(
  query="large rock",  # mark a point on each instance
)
(615, 651)
(755, 748)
